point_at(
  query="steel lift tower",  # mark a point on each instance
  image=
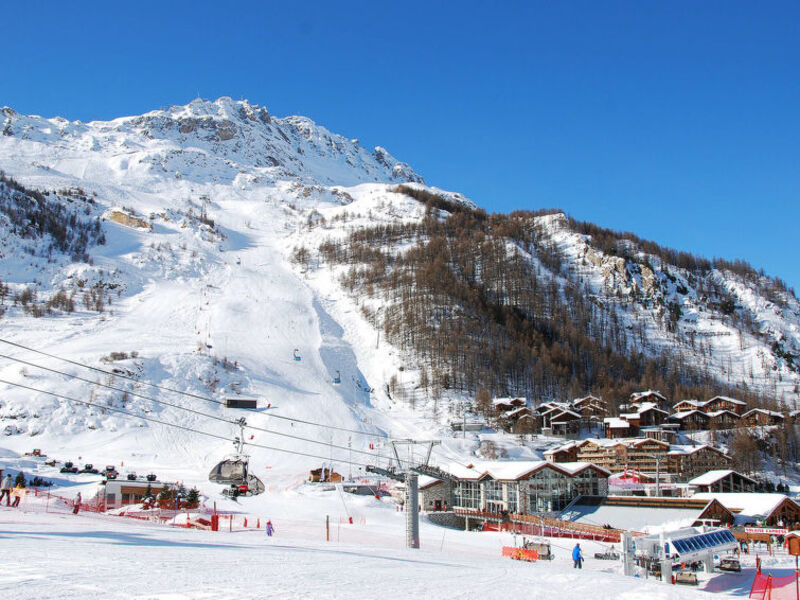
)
(410, 467)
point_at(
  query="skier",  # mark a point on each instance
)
(5, 489)
(18, 492)
(577, 557)
(77, 505)
(270, 529)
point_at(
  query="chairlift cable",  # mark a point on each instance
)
(187, 394)
(191, 410)
(183, 427)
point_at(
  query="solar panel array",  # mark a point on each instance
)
(703, 541)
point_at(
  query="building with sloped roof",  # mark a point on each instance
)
(648, 513)
(772, 510)
(685, 462)
(722, 480)
(524, 487)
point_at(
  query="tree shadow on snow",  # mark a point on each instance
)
(122, 539)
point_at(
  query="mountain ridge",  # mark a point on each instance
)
(227, 264)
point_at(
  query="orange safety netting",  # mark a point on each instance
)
(767, 587)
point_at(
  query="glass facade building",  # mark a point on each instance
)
(544, 490)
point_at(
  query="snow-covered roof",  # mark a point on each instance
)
(714, 476)
(716, 413)
(510, 470)
(593, 399)
(695, 403)
(516, 411)
(637, 518)
(647, 406)
(688, 449)
(511, 401)
(764, 411)
(425, 481)
(630, 441)
(636, 396)
(686, 413)
(726, 399)
(551, 406)
(566, 411)
(616, 423)
(561, 447)
(750, 504)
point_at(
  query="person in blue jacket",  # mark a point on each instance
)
(577, 557)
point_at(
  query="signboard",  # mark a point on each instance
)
(794, 546)
(766, 530)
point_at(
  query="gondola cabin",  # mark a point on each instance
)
(248, 403)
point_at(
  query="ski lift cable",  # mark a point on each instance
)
(191, 410)
(116, 410)
(168, 424)
(188, 394)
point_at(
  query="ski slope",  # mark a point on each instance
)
(65, 556)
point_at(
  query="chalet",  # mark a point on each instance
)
(687, 462)
(647, 415)
(691, 420)
(563, 422)
(590, 407)
(686, 405)
(617, 428)
(522, 420)
(564, 453)
(559, 417)
(723, 419)
(771, 510)
(657, 398)
(523, 487)
(722, 480)
(668, 432)
(761, 416)
(725, 403)
(503, 405)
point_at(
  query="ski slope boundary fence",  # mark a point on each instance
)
(39, 500)
(767, 587)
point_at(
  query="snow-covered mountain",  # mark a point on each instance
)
(205, 275)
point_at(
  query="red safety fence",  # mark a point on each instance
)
(542, 526)
(767, 587)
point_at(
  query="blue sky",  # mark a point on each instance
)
(679, 121)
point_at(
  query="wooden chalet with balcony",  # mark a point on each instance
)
(725, 403)
(762, 417)
(686, 405)
(657, 398)
(723, 419)
(691, 420)
(688, 462)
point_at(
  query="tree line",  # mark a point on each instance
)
(477, 298)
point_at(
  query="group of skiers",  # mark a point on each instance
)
(7, 490)
(18, 492)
